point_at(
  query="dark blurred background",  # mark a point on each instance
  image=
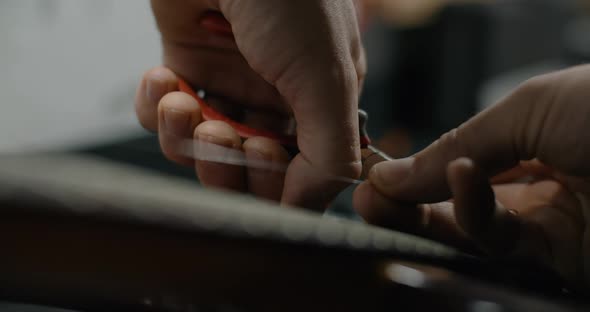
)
(70, 68)
(435, 63)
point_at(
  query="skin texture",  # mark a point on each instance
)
(539, 132)
(285, 59)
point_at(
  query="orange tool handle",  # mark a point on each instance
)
(244, 131)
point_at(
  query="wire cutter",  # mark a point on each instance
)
(370, 155)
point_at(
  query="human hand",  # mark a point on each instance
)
(545, 123)
(275, 60)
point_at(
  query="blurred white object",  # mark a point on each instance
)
(69, 69)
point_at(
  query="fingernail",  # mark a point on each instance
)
(177, 122)
(257, 155)
(155, 90)
(217, 140)
(462, 163)
(390, 173)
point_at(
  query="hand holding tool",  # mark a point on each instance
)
(204, 151)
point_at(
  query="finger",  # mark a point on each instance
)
(529, 198)
(523, 234)
(178, 114)
(328, 139)
(216, 175)
(370, 157)
(553, 223)
(266, 183)
(433, 221)
(494, 139)
(490, 224)
(155, 84)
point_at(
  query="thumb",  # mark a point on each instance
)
(328, 140)
(491, 139)
(311, 52)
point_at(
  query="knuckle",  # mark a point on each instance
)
(535, 89)
(534, 85)
(449, 144)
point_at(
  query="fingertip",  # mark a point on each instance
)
(310, 187)
(459, 172)
(477, 212)
(472, 195)
(155, 84)
(268, 149)
(390, 177)
(375, 208)
(378, 209)
(434, 221)
(212, 173)
(158, 80)
(463, 164)
(179, 114)
(159, 71)
(218, 133)
(180, 101)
